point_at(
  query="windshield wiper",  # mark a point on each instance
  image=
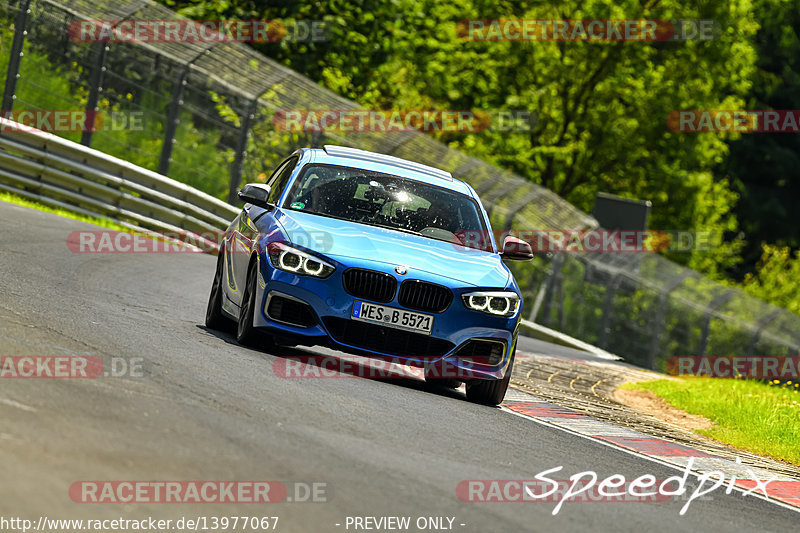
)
(404, 230)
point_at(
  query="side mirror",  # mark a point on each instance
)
(256, 194)
(515, 249)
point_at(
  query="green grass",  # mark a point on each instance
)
(18, 200)
(102, 222)
(751, 415)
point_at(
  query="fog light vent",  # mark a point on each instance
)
(288, 310)
(482, 352)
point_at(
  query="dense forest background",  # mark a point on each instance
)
(602, 108)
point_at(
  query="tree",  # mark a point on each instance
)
(602, 107)
(764, 166)
(776, 278)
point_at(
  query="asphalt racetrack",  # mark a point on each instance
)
(201, 407)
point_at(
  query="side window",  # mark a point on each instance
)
(280, 178)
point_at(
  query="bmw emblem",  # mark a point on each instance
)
(401, 270)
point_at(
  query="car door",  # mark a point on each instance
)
(246, 233)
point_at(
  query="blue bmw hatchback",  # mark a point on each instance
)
(377, 256)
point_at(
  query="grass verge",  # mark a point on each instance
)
(759, 417)
(102, 222)
(18, 200)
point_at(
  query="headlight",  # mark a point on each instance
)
(290, 259)
(501, 303)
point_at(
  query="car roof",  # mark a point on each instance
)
(387, 164)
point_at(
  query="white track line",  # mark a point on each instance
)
(647, 457)
(18, 405)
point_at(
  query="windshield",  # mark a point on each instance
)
(388, 201)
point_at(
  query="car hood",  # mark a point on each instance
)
(343, 239)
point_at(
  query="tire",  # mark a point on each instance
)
(490, 391)
(246, 333)
(214, 317)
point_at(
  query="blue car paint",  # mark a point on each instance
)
(346, 244)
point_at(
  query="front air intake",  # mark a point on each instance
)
(483, 352)
(386, 341)
(290, 311)
(424, 296)
(369, 284)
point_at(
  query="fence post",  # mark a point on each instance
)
(660, 318)
(764, 322)
(95, 88)
(490, 198)
(317, 139)
(173, 113)
(608, 310)
(717, 302)
(171, 125)
(545, 295)
(241, 150)
(15, 58)
(519, 206)
(537, 302)
(559, 290)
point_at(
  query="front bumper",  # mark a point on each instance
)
(331, 306)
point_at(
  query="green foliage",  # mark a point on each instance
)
(266, 146)
(751, 415)
(197, 158)
(24, 202)
(41, 86)
(776, 280)
(763, 167)
(602, 107)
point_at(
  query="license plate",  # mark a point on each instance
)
(394, 318)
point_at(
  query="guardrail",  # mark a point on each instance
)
(62, 173)
(206, 112)
(537, 331)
